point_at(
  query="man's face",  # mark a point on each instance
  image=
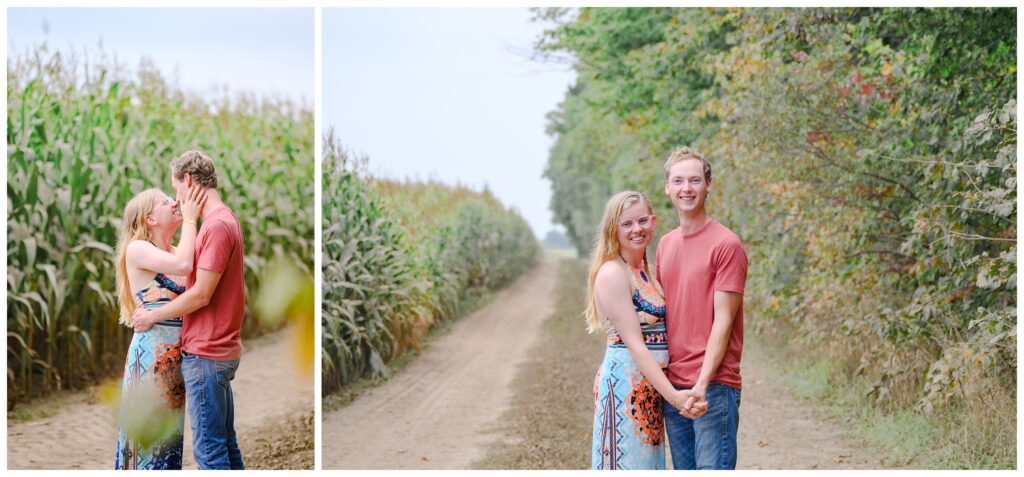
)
(686, 187)
(165, 212)
(180, 187)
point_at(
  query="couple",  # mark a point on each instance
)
(672, 362)
(186, 305)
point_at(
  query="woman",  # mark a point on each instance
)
(625, 301)
(150, 273)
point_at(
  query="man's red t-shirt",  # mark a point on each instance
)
(691, 269)
(213, 331)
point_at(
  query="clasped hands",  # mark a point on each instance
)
(691, 403)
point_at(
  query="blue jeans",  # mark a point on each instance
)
(708, 442)
(211, 411)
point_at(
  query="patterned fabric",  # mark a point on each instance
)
(153, 370)
(629, 428)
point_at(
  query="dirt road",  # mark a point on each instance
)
(432, 415)
(511, 386)
(269, 397)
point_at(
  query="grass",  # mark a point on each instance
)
(978, 435)
(550, 422)
(43, 408)
(563, 253)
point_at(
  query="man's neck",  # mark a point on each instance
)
(692, 222)
(213, 203)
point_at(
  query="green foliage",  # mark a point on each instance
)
(402, 256)
(84, 138)
(867, 157)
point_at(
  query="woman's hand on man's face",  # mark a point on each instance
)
(192, 207)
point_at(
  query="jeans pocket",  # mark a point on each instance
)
(225, 371)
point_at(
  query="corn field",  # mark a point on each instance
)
(401, 256)
(84, 137)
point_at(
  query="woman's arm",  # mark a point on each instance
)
(145, 255)
(613, 293)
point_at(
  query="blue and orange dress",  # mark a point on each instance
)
(629, 428)
(151, 424)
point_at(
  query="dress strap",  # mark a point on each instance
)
(629, 271)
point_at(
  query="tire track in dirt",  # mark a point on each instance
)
(434, 414)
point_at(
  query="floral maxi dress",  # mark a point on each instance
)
(153, 390)
(629, 429)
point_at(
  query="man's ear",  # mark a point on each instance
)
(187, 178)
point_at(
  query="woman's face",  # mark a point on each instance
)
(165, 214)
(635, 227)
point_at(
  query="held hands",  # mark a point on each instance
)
(192, 206)
(690, 403)
(143, 319)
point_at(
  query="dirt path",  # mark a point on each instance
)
(779, 430)
(434, 413)
(269, 396)
(550, 422)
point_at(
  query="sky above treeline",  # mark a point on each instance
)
(446, 94)
(267, 51)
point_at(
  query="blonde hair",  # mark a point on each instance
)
(133, 227)
(681, 154)
(198, 165)
(606, 247)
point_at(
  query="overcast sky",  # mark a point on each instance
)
(448, 94)
(261, 50)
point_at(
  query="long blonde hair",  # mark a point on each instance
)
(133, 227)
(606, 247)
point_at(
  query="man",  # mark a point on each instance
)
(212, 309)
(703, 268)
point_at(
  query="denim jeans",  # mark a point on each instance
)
(211, 411)
(708, 442)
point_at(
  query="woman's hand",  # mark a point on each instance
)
(678, 399)
(192, 207)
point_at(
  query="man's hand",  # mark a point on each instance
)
(143, 319)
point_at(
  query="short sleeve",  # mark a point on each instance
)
(657, 260)
(216, 248)
(730, 262)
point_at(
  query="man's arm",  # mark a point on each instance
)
(726, 306)
(193, 299)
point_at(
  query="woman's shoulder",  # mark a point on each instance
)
(611, 274)
(139, 250)
(139, 246)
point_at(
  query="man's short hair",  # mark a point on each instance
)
(198, 165)
(685, 153)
